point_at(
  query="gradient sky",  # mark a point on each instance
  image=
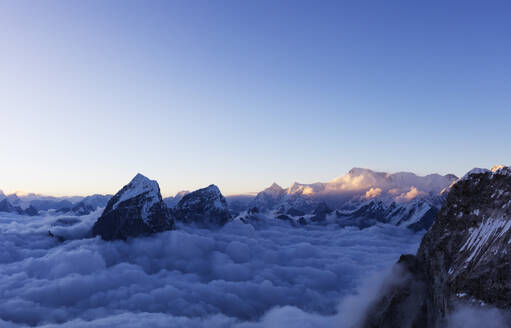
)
(244, 93)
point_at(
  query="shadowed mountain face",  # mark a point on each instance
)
(203, 206)
(462, 260)
(136, 210)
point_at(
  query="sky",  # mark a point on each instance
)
(245, 93)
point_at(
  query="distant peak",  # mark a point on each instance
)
(275, 186)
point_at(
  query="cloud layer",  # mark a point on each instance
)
(239, 276)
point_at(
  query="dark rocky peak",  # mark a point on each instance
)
(322, 208)
(320, 212)
(6, 206)
(203, 206)
(136, 210)
(31, 211)
(463, 259)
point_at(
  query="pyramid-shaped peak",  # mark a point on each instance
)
(213, 188)
(140, 181)
(275, 186)
(137, 209)
(140, 178)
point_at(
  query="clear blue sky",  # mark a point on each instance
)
(244, 93)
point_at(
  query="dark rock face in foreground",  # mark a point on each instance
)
(463, 259)
(204, 206)
(136, 210)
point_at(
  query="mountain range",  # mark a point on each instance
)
(361, 198)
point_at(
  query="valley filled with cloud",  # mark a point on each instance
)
(269, 274)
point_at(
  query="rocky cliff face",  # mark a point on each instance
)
(203, 206)
(463, 259)
(136, 210)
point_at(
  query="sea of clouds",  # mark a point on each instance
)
(270, 275)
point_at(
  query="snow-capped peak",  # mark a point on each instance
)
(213, 189)
(274, 190)
(274, 186)
(140, 185)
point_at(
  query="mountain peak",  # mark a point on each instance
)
(275, 186)
(140, 178)
(137, 209)
(203, 206)
(274, 189)
(212, 188)
(140, 184)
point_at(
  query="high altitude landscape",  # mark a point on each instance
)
(311, 254)
(255, 164)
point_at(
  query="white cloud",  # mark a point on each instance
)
(411, 194)
(373, 192)
(238, 276)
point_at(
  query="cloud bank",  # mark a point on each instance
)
(274, 275)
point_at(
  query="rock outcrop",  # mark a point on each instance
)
(204, 206)
(136, 210)
(462, 260)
